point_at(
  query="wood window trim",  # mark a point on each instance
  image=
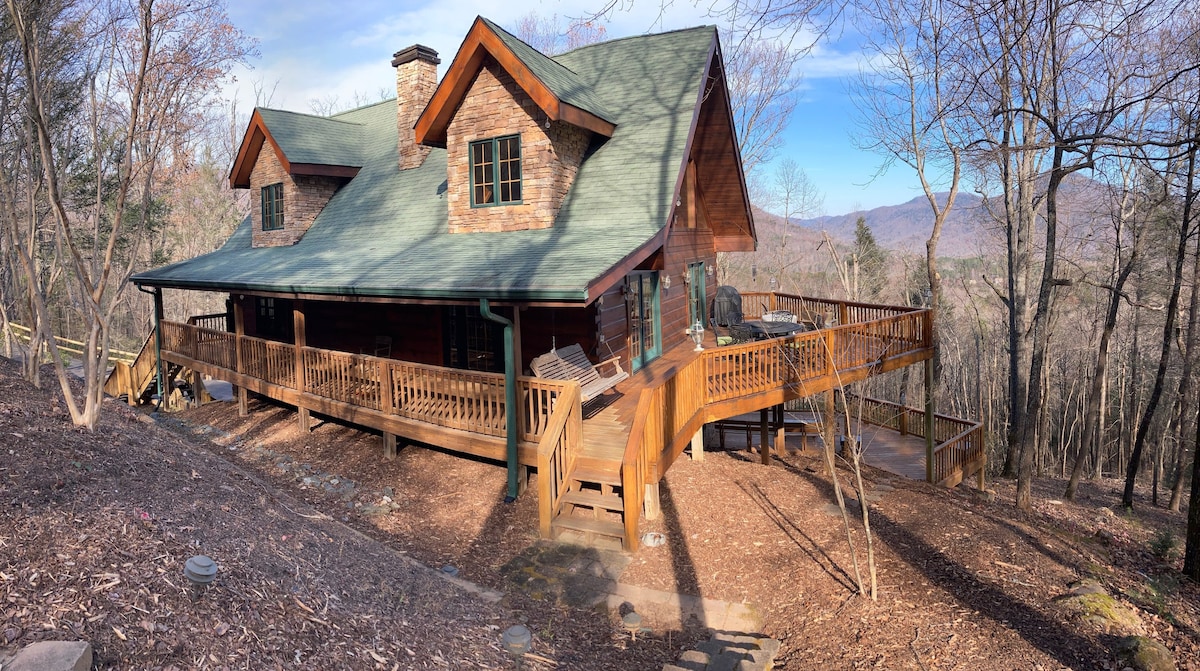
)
(271, 203)
(491, 180)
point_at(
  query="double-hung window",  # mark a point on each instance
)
(272, 207)
(496, 171)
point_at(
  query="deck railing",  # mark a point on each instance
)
(270, 361)
(556, 453)
(769, 365)
(959, 448)
(448, 397)
(864, 338)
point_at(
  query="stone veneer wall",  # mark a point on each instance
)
(415, 83)
(304, 197)
(495, 106)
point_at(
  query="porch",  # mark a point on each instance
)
(607, 465)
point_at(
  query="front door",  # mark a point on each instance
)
(645, 342)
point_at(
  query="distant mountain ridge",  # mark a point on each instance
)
(906, 226)
(970, 230)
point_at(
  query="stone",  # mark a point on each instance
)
(52, 656)
(1145, 654)
(695, 656)
(1103, 612)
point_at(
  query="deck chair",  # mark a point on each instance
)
(570, 363)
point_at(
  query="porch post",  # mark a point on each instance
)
(163, 396)
(698, 445)
(929, 420)
(239, 330)
(299, 344)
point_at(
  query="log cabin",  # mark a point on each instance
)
(406, 262)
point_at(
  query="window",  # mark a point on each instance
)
(272, 207)
(496, 171)
(273, 318)
(471, 341)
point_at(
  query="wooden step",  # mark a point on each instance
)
(589, 525)
(594, 499)
(605, 477)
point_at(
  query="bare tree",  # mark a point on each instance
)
(915, 74)
(155, 64)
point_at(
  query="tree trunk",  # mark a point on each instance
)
(1093, 431)
(1160, 375)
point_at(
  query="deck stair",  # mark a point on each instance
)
(592, 509)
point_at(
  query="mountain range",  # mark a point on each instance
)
(906, 227)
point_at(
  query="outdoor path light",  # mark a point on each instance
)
(200, 571)
(517, 641)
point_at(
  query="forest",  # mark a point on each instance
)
(1071, 331)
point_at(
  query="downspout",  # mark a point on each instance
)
(158, 367)
(510, 397)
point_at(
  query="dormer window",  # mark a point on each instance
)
(496, 171)
(272, 207)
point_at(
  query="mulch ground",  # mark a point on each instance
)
(964, 583)
(95, 527)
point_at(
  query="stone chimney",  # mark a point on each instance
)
(416, 80)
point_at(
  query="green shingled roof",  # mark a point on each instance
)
(562, 82)
(305, 138)
(385, 232)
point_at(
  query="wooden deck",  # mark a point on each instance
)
(605, 457)
(884, 448)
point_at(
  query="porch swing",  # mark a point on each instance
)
(570, 363)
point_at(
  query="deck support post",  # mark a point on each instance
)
(930, 439)
(780, 431)
(510, 399)
(764, 438)
(243, 398)
(389, 446)
(698, 445)
(829, 430)
(650, 503)
(300, 340)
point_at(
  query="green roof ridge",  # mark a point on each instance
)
(560, 79)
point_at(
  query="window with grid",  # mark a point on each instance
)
(496, 171)
(272, 207)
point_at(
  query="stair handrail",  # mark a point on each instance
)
(633, 472)
(556, 452)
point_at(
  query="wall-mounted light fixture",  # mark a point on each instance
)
(666, 281)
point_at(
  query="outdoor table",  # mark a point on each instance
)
(762, 330)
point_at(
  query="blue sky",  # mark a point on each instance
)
(315, 49)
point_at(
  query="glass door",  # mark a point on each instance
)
(645, 343)
(696, 295)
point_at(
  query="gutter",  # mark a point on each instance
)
(510, 398)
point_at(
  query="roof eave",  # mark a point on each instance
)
(512, 294)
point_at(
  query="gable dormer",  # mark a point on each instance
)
(515, 125)
(293, 164)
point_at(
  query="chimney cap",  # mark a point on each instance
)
(413, 53)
